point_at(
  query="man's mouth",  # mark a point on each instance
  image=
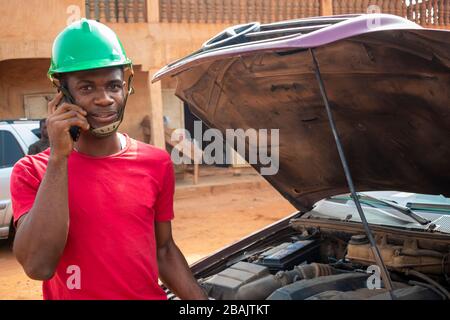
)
(104, 117)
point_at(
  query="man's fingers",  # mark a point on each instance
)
(78, 122)
(83, 124)
(71, 116)
(65, 107)
(54, 102)
(66, 124)
(67, 115)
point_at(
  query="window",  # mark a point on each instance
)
(36, 105)
(10, 151)
(37, 132)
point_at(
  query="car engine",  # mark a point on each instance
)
(325, 264)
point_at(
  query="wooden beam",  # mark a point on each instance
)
(156, 111)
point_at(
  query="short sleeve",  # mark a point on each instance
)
(164, 202)
(24, 187)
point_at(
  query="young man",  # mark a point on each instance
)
(43, 142)
(93, 215)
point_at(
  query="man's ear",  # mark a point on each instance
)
(56, 82)
(60, 80)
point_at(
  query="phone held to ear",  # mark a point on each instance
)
(74, 130)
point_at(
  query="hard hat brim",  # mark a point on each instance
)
(97, 64)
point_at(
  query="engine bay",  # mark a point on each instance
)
(310, 261)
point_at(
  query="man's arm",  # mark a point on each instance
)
(42, 233)
(174, 271)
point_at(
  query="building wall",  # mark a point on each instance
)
(20, 77)
(28, 28)
(27, 31)
(172, 30)
(138, 106)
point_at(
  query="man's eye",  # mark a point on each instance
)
(116, 86)
(86, 88)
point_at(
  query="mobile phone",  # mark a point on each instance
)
(67, 97)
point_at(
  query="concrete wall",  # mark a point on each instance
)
(138, 106)
(28, 28)
(155, 44)
(27, 31)
(21, 77)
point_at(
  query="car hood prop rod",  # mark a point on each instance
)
(376, 252)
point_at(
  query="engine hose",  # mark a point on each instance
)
(428, 286)
(429, 280)
(262, 288)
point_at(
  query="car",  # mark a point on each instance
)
(362, 107)
(15, 138)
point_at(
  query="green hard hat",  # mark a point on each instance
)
(86, 44)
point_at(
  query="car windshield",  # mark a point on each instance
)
(389, 208)
(414, 201)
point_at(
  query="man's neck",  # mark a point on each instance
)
(98, 147)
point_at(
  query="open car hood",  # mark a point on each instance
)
(388, 87)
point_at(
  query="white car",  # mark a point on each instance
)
(15, 138)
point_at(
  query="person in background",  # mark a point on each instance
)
(146, 128)
(43, 143)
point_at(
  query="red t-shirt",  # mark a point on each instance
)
(113, 203)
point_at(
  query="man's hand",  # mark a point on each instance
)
(174, 271)
(59, 121)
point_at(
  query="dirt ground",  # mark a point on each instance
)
(202, 225)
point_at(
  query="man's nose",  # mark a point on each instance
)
(103, 98)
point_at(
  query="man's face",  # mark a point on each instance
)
(100, 92)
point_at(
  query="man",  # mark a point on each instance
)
(93, 215)
(43, 142)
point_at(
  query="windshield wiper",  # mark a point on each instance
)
(428, 206)
(405, 210)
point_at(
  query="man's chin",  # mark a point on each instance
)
(90, 135)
